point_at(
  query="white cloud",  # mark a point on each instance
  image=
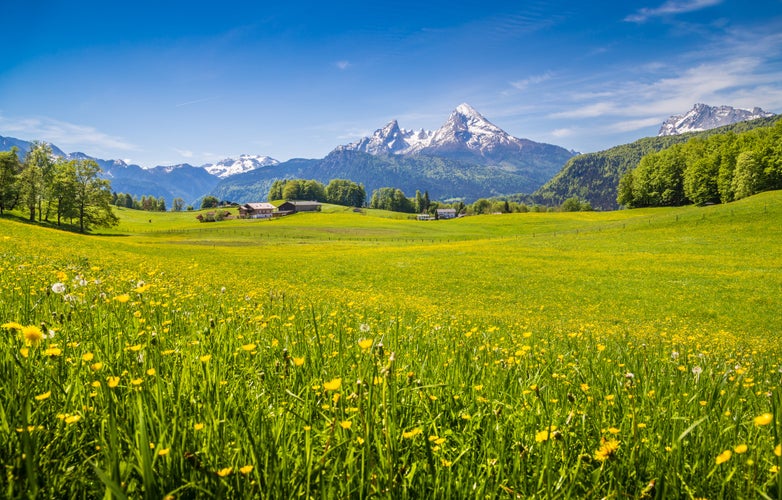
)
(184, 152)
(343, 65)
(531, 80)
(671, 7)
(63, 134)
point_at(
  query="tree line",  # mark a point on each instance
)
(46, 187)
(715, 169)
(338, 191)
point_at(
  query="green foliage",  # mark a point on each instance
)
(394, 200)
(209, 202)
(595, 177)
(345, 192)
(10, 166)
(297, 189)
(707, 169)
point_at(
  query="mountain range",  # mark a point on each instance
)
(704, 117)
(467, 158)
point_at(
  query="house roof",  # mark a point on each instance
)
(300, 203)
(259, 206)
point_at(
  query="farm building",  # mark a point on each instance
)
(292, 207)
(446, 213)
(256, 210)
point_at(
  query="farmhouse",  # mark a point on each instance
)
(446, 213)
(295, 206)
(256, 210)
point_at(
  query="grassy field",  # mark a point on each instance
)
(628, 354)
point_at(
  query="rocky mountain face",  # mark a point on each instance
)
(704, 117)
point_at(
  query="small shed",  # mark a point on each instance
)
(256, 210)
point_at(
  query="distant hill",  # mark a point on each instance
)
(594, 177)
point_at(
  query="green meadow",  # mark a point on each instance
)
(342, 354)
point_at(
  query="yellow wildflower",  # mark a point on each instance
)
(87, 356)
(411, 433)
(43, 396)
(246, 469)
(198, 426)
(723, 457)
(365, 343)
(764, 419)
(205, 358)
(346, 424)
(298, 361)
(122, 298)
(52, 351)
(738, 450)
(113, 382)
(608, 448)
(545, 434)
(778, 450)
(32, 334)
(333, 384)
(224, 472)
(163, 452)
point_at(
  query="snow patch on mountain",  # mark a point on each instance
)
(704, 117)
(245, 163)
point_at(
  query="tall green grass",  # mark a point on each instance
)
(341, 355)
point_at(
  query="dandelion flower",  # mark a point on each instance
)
(738, 450)
(723, 457)
(248, 347)
(608, 448)
(96, 366)
(333, 384)
(113, 382)
(205, 358)
(87, 356)
(778, 450)
(12, 325)
(246, 469)
(122, 298)
(545, 434)
(298, 361)
(163, 452)
(72, 419)
(151, 372)
(225, 471)
(32, 334)
(346, 424)
(198, 426)
(365, 343)
(43, 396)
(52, 351)
(24, 352)
(411, 433)
(764, 419)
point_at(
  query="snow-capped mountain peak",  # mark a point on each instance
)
(244, 163)
(704, 117)
(465, 129)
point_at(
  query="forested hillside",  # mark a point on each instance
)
(594, 177)
(719, 168)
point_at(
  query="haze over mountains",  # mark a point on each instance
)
(467, 158)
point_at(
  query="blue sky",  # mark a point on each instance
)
(198, 82)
